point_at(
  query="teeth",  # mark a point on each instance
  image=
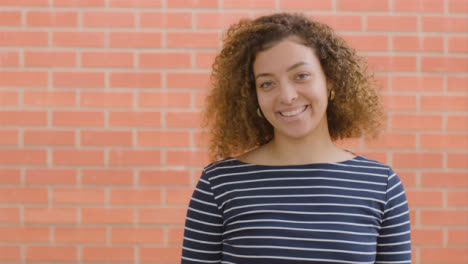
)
(295, 112)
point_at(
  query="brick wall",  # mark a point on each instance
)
(100, 144)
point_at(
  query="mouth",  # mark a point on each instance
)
(294, 112)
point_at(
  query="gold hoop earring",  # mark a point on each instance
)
(332, 94)
(259, 113)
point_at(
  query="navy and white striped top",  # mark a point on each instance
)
(353, 211)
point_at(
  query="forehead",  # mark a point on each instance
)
(283, 54)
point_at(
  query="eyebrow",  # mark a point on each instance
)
(292, 67)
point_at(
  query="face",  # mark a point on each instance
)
(292, 90)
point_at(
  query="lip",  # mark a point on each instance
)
(292, 109)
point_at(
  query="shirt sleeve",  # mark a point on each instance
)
(203, 234)
(394, 241)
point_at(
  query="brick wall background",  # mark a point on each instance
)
(100, 144)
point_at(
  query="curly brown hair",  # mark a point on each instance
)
(232, 104)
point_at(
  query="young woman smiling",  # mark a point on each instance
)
(285, 88)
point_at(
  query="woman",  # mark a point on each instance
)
(285, 88)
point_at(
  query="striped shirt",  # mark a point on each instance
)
(353, 211)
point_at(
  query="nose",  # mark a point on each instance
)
(288, 93)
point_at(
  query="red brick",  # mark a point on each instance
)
(79, 3)
(107, 177)
(192, 3)
(108, 19)
(444, 179)
(457, 122)
(135, 79)
(188, 80)
(107, 59)
(80, 234)
(392, 23)
(458, 44)
(135, 3)
(457, 198)
(446, 217)
(77, 157)
(418, 43)
(165, 60)
(106, 99)
(360, 5)
(106, 138)
(341, 22)
(24, 78)
(50, 176)
(108, 254)
(23, 195)
(162, 254)
(10, 176)
(107, 215)
(458, 6)
(200, 99)
(78, 39)
(48, 98)
(204, 59)
(417, 83)
(164, 99)
(9, 215)
(417, 160)
(176, 235)
(10, 18)
(457, 237)
(79, 79)
(78, 196)
(399, 102)
(20, 118)
(444, 64)
(24, 234)
(171, 138)
(444, 24)
(164, 177)
(49, 59)
(166, 20)
(135, 196)
(131, 119)
(367, 42)
(192, 40)
(24, 38)
(443, 255)
(457, 83)
(137, 235)
(408, 178)
(52, 18)
(134, 157)
(457, 160)
(50, 215)
(424, 198)
(9, 137)
(392, 63)
(24, 3)
(201, 139)
(393, 140)
(10, 252)
(162, 215)
(443, 141)
(9, 58)
(51, 253)
(178, 196)
(187, 158)
(49, 137)
(135, 39)
(425, 236)
(416, 121)
(219, 19)
(419, 6)
(77, 118)
(23, 156)
(183, 119)
(444, 103)
(9, 98)
(247, 4)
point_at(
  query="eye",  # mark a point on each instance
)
(302, 76)
(266, 84)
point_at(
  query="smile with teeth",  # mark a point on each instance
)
(294, 112)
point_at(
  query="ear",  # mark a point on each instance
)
(330, 85)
